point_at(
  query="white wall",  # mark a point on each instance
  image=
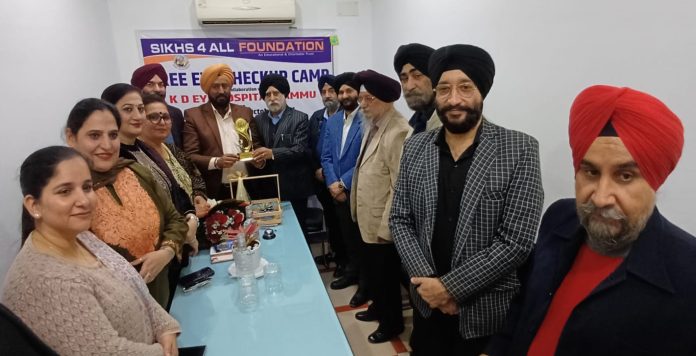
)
(546, 52)
(53, 54)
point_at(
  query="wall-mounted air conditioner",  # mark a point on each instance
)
(245, 12)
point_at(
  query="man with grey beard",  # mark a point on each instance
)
(411, 64)
(610, 275)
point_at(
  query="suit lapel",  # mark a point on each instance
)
(431, 156)
(210, 119)
(370, 149)
(352, 131)
(282, 125)
(475, 182)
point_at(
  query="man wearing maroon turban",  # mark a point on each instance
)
(152, 80)
(610, 275)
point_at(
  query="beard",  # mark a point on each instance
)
(221, 100)
(604, 237)
(349, 104)
(473, 115)
(418, 101)
(331, 105)
(162, 94)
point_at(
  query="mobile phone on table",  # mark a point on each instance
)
(191, 280)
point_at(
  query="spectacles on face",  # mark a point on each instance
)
(465, 90)
(156, 117)
(365, 99)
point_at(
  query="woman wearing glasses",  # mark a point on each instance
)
(158, 125)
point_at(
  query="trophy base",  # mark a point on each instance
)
(246, 156)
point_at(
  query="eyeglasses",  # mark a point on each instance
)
(365, 99)
(465, 90)
(156, 117)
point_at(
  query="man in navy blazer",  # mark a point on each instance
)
(340, 152)
(610, 275)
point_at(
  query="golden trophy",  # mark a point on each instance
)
(245, 144)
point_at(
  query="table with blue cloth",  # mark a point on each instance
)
(300, 321)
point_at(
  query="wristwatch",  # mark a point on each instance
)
(341, 185)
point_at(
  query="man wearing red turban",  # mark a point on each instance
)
(610, 275)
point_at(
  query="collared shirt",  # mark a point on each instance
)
(276, 119)
(347, 122)
(230, 143)
(452, 178)
(419, 119)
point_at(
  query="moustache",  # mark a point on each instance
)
(608, 213)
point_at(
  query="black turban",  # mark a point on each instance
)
(346, 78)
(326, 79)
(274, 80)
(476, 63)
(382, 87)
(115, 92)
(145, 73)
(414, 53)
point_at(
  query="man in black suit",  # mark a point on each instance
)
(610, 275)
(281, 140)
(152, 79)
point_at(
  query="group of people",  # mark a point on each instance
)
(447, 204)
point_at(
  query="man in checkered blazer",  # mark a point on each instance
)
(465, 210)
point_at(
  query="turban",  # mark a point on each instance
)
(382, 87)
(652, 134)
(347, 79)
(211, 73)
(145, 73)
(414, 53)
(476, 63)
(114, 93)
(326, 79)
(274, 80)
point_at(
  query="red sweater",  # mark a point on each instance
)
(588, 271)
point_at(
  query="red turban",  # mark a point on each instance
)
(652, 134)
(145, 73)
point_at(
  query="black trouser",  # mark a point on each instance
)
(439, 335)
(355, 247)
(299, 206)
(332, 228)
(384, 270)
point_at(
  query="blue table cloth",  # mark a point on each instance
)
(300, 321)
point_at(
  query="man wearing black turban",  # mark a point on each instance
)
(281, 142)
(465, 210)
(317, 128)
(411, 65)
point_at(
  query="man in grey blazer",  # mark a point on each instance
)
(281, 140)
(465, 210)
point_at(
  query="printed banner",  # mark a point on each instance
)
(302, 60)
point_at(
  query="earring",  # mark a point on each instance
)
(37, 215)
